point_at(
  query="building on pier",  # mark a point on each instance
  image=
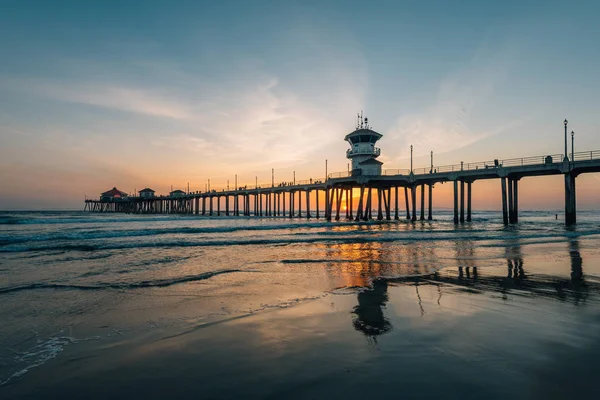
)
(113, 194)
(146, 193)
(362, 151)
(177, 193)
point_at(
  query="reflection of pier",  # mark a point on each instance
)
(376, 188)
(367, 265)
(516, 282)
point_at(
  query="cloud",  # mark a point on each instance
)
(107, 95)
(461, 99)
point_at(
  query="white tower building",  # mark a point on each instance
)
(362, 151)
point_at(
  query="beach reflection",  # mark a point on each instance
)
(373, 268)
(516, 282)
(369, 316)
(515, 262)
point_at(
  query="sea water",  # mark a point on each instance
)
(471, 297)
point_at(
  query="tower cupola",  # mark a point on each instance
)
(362, 151)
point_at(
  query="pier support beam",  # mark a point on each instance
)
(329, 206)
(359, 209)
(347, 194)
(516, 201)
(469, 201)
(504, 202)
(338, 202)
(510, 202)
(350, 215)
(367, 211)
(317, 202)
(456, 202)
(430, 199)
(307, 204)
(462, 202)
(570, 199)
(396, 216)
(413, 195)
(379, 201)
(422, 202)
(406, 201)
(388, 201)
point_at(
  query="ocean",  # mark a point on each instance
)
(178, 306)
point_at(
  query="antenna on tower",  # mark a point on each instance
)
(366, 123)
(357, 120)
(361, 119)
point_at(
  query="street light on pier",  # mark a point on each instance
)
(431, 168)
(566, 157)
(411, 158)
(294, 178)
(256, 181)
(325, 169)
(572, 146)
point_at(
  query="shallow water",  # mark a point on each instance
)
(297, 308)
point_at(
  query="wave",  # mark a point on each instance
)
(109, 234)
(120, 285)
(405, 238)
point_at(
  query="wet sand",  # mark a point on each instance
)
(496, 333)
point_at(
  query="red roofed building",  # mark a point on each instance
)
(113, 194)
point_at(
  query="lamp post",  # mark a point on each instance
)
(431, 168)
(572, 146)
(325, 169)
(411, 156)
(256, 182)
(272, 177)
(566, 157)
(294, 178)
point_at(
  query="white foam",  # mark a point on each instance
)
(41, 353)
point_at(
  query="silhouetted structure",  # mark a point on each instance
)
(366, 176)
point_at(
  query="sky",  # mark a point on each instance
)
(96, 94)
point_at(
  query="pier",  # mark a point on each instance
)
(393, 188)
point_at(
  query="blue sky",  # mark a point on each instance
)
(95, 94)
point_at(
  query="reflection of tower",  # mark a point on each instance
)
(363, 152)
(369, 311)
(576, 262)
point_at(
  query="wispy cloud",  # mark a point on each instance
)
(461, 98)
(108, 95)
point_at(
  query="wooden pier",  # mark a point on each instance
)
(292, 200)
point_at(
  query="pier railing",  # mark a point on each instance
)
(344, 174)
(491, 164)
(586, 155)
(511, 162)
(396, 172)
